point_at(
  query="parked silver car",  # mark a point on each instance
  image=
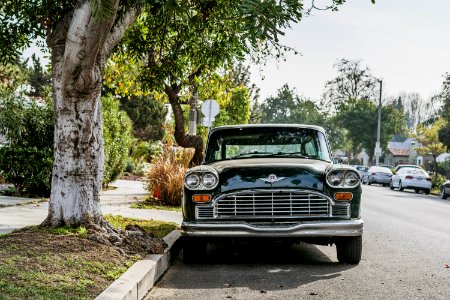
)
(361, 170)
(445, 189)
(411, 178)
(375, 174)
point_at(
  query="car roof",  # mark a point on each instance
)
(408, 166)
(315, 127)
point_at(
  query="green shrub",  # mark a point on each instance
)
(117, 132)
(147, 115)
(166, 176)
(26, 161)
(437, 181)
(147, 151)
(29, 169)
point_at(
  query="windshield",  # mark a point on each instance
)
(251, 142)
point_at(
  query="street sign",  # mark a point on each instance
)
(378, 151)
(210, 109)
(207, 122)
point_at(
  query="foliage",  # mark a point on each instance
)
(362, 114)
(417, 110)
(39, 79)
(428, 136)
(26, 161)
(232, 96)
(147, 151)
(117, 131)
(444, 98)
(29, 169)
(12, 76)
(444, 168)
(147, 114)
(279, 109)
(352, 82)
(437, 181)
(166, 176)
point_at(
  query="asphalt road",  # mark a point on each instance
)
(406, 249)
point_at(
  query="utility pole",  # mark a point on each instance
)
(377, 145)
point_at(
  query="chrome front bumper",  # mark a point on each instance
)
(300, 229)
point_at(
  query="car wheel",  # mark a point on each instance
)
(194, 250)
(443, 194)
(349, 249)
(417, 191)
(369, 182)
(400, 187)
(391, 185)
(427, 191)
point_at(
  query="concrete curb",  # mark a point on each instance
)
(140, 278)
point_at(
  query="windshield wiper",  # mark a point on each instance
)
(251, 153)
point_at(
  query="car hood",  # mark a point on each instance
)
(259, 173)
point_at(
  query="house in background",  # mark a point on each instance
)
(402, 150)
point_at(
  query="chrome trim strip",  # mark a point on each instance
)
(301, 229)
(259, 191)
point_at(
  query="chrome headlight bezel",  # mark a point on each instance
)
(335, 178)
(204, 173)
(352, 178)
(194, 177)
(341, 178)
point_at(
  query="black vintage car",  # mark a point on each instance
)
(275, 182)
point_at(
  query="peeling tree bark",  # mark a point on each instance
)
(80, 45)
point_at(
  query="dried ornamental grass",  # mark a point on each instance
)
(167, 175)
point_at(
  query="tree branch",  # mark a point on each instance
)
(118, 31)
(85, 38)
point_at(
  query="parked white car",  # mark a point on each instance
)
(411, 178)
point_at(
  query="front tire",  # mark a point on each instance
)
(427, 191)
(194, 250)
(443, 194)
(391, 185)
(349, 250)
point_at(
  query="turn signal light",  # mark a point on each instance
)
(201, 198)
(343, 196)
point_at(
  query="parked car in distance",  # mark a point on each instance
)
(445, 189)
(361, 170)
(380, 175)
(271, 182)
(406, 166)
(411, 178)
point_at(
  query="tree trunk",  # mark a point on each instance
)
(183, 139)
(80, 43)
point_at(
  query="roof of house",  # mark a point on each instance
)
(399, 152)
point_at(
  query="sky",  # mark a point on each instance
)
(404, 42)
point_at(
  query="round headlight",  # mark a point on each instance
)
(209, 180)
(351, 178)
(192, 181)
(335, 178)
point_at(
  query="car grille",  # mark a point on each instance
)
(272, 204)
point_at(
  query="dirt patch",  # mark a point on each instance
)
(35, 264)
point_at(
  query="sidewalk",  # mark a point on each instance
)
(20, 213)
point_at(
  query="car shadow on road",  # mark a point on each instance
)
(263, 267)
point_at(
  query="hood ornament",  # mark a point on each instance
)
(272, 178)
